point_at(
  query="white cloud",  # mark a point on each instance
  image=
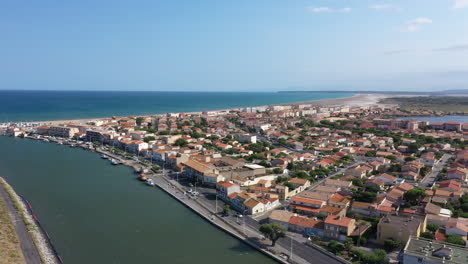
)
(319, 9)
(416, 24)
(382, 7)
(460, 4)
(328, 10)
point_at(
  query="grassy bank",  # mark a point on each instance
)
(10, 249)
(447, 104)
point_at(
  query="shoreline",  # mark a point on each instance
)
(352, 101)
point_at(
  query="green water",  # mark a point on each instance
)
(98, 213)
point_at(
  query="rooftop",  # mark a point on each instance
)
(434, 251)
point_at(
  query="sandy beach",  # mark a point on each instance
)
(355, 100)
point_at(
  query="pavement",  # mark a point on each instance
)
(301, 252)
(429, 180)
(30, 252)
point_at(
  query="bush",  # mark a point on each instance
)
(432, 227)
(335, 247)
(428, 235)
(455, 239)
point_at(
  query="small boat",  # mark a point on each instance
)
(143, 177)
(115, 162)
(149, 182)
(104, 156)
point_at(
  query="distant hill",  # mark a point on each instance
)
(460, 91)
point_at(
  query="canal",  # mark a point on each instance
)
(99, 213)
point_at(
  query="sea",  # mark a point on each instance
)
(98, 213)
(65, 105)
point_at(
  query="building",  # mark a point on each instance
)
(399, 227)
(424, 251)
(62, 131)
(339, 227)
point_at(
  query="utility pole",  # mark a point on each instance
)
(216, 204)
(243, 218)
(291, 252)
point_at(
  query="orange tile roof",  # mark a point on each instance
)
(338, 220)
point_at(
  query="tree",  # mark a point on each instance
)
(414, 196)
(226, 209)
(148, 139)
(273, 231)
(139, 120)
(455, 239)
(155, 168)
(181, 142)
(391, 244)
(366, 197)
(204, 122)
(348, 245)
(432, 227)
(290, 186)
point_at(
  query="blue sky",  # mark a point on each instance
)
(244, 45)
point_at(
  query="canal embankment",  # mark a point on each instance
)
(35, 244)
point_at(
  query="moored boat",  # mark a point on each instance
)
(143, 177)
(149, 182)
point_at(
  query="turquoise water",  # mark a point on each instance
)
(59, 105)
(99, 213)
(440, 119)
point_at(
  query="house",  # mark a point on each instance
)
(306, 226)
(366, 209)
(458, 226)
(253, 206)
(302, 201)
(460, 174)
(343, 185)
(339, 227)
(225, 189)
(428, 159)
(195, 169)
(302, 184)
(387, 179)
(377, 183)
(400, 227)
(326, 189)
(359, 171)
(450, 185)
(339, 201)
(281, 217)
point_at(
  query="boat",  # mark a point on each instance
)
(103, 156)
(143, 177)
(149, 182)
(115, 162)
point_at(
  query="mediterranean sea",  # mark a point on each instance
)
(65, 105)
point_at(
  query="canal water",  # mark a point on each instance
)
(99, 213)
(440, 119)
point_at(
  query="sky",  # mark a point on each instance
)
(241, 45)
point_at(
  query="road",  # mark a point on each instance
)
(28, 247)
(432, 176)
(250, 225)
